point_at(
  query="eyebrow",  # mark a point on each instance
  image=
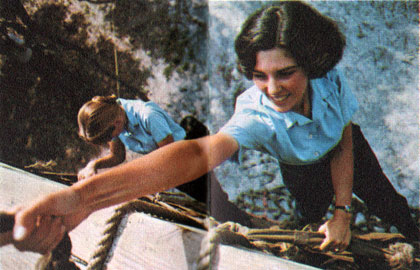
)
(280, 70)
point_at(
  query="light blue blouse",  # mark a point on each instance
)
(147, 125)
(291, 137)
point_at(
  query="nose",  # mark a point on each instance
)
(272, 86)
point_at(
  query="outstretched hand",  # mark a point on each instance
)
(41, 240)
(40, 226)
(337, 233)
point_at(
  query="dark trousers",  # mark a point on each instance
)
(207, 189)
(311, 186)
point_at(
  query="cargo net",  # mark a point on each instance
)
(374, 234)
(277, 204)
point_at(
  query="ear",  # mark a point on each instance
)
(120, 121)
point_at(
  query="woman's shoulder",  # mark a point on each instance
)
(335, 74)
(249, 99)
(330, 83)
(129, 103)
(138, 105)
(135, 109)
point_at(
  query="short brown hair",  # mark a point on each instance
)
(312, 39)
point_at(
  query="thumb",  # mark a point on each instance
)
(326, 243)
(323, 228)
(26, 220)
(25, 223)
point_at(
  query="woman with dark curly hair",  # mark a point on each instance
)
(299, 111)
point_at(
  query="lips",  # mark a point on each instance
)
(279, 98)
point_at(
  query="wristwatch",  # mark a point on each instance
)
(346, 208)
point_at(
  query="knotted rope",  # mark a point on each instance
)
(228, 233)
(400, 256)
(147, 205)
(177, 208)
(276, 241)
(99, 257)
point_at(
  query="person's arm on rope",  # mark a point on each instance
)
(116, 156)
(337, 229)
(164, 168)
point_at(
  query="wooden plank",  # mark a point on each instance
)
(150, 243)
(232, 258)
(88, 234)
(19, 187)
(11, 259)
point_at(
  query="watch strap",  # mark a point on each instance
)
(345, 208)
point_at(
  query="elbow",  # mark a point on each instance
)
(195, 156)
(197, 149)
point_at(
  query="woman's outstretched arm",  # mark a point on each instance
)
(165, 168)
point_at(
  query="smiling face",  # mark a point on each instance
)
(278, 76)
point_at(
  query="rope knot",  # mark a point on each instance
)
(401, 256)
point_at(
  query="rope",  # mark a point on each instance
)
(153, 207)
(288, 244)
(115, 51)
(279, 242)
(100, 256)
(228, 233)
(401, 256)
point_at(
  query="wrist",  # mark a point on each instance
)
(78, 196)
(347, 208)
(343, 212)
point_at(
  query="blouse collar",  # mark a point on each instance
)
(321, 89)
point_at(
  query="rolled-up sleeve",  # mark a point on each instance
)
(158, 126)
(244, 129)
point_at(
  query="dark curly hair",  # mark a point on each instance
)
(312, 39)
